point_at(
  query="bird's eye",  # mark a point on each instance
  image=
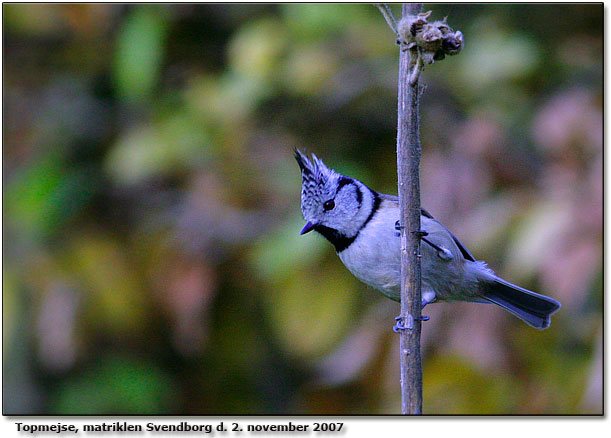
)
(328, 205)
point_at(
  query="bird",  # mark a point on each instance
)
(363, 226)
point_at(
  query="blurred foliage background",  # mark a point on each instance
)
(151, 214)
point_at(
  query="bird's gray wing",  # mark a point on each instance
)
(464, 251)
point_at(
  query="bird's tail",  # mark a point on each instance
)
(532, 308)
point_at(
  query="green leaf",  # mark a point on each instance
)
(256, 49)
(172, 144)
(46, 194)
(118, 385)
(28, 195)
(139, 52)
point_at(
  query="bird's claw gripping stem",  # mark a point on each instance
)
(410, 323)
(419, 233)
(400, 326)
(400, 320)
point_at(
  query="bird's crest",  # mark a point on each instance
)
(317, 179)
(314, 171)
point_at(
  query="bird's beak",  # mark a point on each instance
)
(308, 227)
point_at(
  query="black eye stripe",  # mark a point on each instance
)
(374, 209)
(359, 195)
(342, 182)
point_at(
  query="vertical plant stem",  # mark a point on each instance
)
(408, 169)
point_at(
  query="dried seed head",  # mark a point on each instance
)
(428, 57)
(427, 42)
(410, 25)
(439, 55)
(430, 39)
(453, 43)
(442, 26)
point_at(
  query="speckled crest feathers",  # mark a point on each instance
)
(317, 180)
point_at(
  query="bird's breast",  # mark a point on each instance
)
(375, 257)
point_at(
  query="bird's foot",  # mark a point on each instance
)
(401, 325)
(420, 233)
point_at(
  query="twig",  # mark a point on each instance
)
(408, 169)
(422, 42)
(414, 74)
(387, 13)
